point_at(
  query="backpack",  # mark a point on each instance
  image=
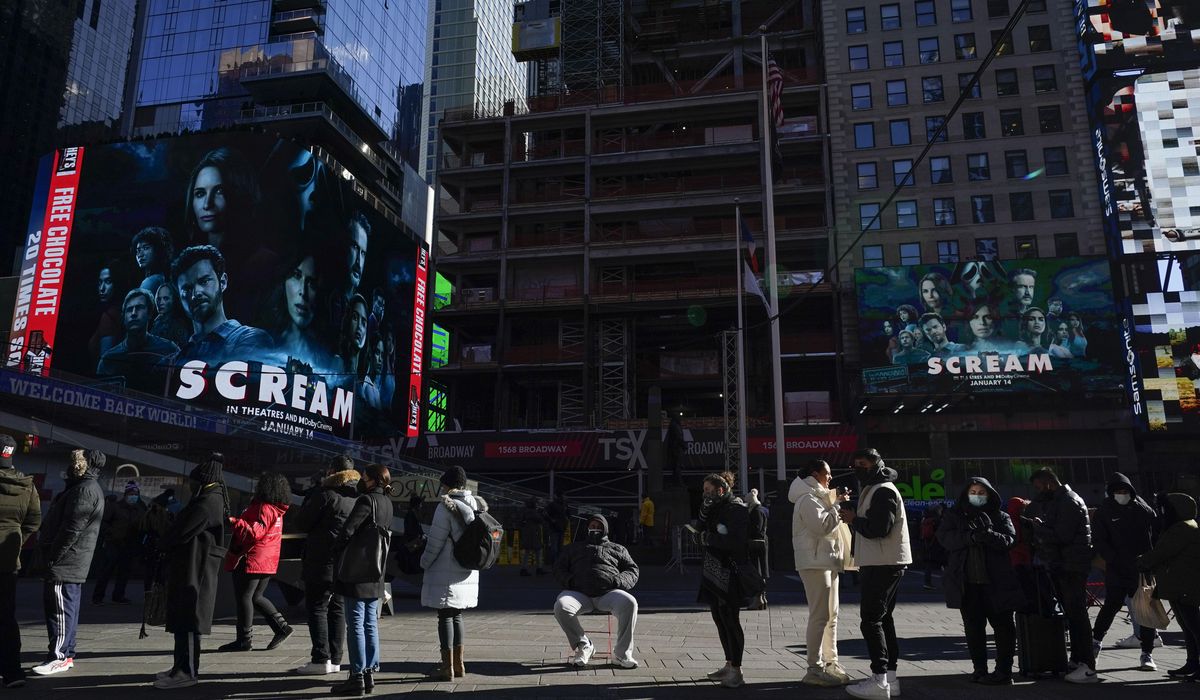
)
(479, 547)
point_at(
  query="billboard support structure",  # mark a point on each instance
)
(738, 393)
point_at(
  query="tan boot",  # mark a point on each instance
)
(460, 669)
(445, 670)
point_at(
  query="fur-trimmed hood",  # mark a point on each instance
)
(340, 479)
(85, 463)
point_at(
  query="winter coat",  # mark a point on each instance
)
(119, 528)
(1063, 538)
(193, 550)
(529, 524)
(988, 531)
(1175, 560)
(321, 516)
(256, 536)
(370, 509)
(820, 540)
(20, 516)
(446, 583)
(1022, 552)
(71, 528)
(725, 534)
(1121, 534)
(880, 525)
(596, 569)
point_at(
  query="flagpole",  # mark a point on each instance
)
(773, 268)
(743, 461)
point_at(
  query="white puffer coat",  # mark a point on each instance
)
(820, 540)
(447, 584)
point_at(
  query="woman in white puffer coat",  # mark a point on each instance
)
(821, 543)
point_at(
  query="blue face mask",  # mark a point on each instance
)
(131, 500)
(978, 501)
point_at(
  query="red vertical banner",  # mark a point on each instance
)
(44, 268)
(418, 342)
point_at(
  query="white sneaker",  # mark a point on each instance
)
(1147, 663)
(733, 679)
(835, 670)
(164, 674)
(893, 685)
(819, 678)
(1082, 674)
(317, 668)
(178, 680)
(1130, 642)
(720, 673)
(873, 688)
(52, 667)
(626, 661)
(583, 654)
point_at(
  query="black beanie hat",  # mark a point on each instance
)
(209, 471)
(454, 478)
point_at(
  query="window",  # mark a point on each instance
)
(899, 132)
(997, 8)
(964, 80)
(1056, 161)
(1020, 205)
(939, 170)
(902, 175)
(1005, 47)
(1066, 245)
(897, 93)
(1026, 247)
(1050, 119)
(1061, 206)
(928, 50)
(987, 249)
(872, 256)
(1016, 164)
(964, 47)
(868, 217)
(860, 58)
(1039, 38)
(860, 96)
(932, 124)
(910, 253)
(856, 20)
(947, 251)
(977, 167)
(943, 211)
(906, 214)
(1011, 123)
(868, 177)
(889, 17)
(973, 126)
(960, 11)
(864, 135)
(926, 13)
(931, 89)
(1043, 79)
(1006, 83)
(1036, 6)
(983, 210)
(893, 53)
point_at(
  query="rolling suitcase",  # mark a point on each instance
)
(1041, 645)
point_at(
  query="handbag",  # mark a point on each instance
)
(749, 580)
(364, 560)
(1147, 610)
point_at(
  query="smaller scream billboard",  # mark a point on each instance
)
(1037, 325)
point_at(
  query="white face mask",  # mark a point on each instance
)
(1123, 499)
(978, 500)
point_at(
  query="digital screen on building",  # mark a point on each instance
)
(1165, 340)
(236, 271)
(1037, 325)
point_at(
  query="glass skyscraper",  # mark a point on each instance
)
(99, 59)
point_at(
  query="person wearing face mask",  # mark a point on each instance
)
(724, 534)
(121, 544)
(883, 552)
(597, 574)
(1062, 539)
(979, 578)
(1123, 529)
(1174, 562)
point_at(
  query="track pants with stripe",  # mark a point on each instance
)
(61, 602)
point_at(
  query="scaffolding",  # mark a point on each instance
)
(571, 409)
(614, 344)
(592, 46)
(729, 384)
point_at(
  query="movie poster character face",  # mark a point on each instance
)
(105, 286)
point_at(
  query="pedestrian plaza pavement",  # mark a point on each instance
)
(514, 649)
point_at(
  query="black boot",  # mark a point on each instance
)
(1001, 676)
(352, 687)
(282, 631)
(1187, 670)
(369, 680)
(242, 643)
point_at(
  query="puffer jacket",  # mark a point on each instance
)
(321, 516)
(20, 516)
(1122, 533)
(820, 540)
(257, 535)
(1063, 537)
(448, 584)
(986, 532)
(1175, 560)
(596, 569)
(71, 528)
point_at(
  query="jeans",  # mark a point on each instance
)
(879, 587)
(821, 591)
(1114, 598)
(729, 629)
(571, 604)
(10, 631)
(250, 592)
(1188, 617)
(187, 653)
(115, 560)
(1072, 593)
(451, 630)
(978, 611)
(326, 621)
(61, 604)
(362, 632)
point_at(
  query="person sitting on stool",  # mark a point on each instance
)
(597, 575)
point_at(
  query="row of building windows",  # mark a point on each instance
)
(1065, 245)
(933, 88)
(925, 14)
(1012, 123)
(983, 210)
(929, 49)
(941, 171)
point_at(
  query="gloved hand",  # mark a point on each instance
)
(979, 522)
(721, 529)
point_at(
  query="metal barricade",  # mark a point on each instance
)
(685, 547)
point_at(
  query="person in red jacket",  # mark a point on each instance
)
(254, 557)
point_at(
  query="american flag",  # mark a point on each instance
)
(775, 85)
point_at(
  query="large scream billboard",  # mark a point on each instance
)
(1038, 325)
(233, 270)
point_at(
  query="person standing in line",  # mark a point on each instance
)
(68, 542)
(372, 510)
(20, 517)
(759, 544)
(934, 554)
(883, 552)
(646, 519)
(556, 526)
(322, 516)
(821, 546)
(1123, 529)
(1174, 562)
(977, 535)
(154, 525)
(192, 551)
(1062, 539)
(121, 543)
(253, 558)
(529, 524)
(449, 587)
(724, 534)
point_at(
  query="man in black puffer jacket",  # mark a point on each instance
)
(597, 575)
